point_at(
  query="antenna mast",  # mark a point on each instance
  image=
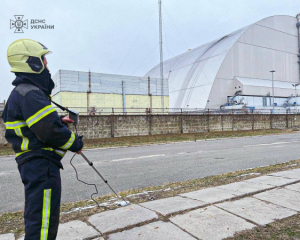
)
(161, 56)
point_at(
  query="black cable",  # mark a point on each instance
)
(89, 184)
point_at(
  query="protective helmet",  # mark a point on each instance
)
(25, 55)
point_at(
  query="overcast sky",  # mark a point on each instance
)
(121, 36)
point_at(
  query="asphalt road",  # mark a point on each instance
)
(142, 166)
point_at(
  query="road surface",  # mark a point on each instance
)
(142, 166)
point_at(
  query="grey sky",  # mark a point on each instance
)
(103, 35)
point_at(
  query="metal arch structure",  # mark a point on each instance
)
(205, 76)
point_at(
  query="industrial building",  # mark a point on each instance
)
(233, 72)
(99, 93)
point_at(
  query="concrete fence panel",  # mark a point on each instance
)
(93, 127)
(195, 123)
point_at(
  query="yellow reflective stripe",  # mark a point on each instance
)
(15, 124)
(69, 142)
(48, 149)
(20, 153)
(60, 153)
(40, 115)
(25, 140)
(46, 214)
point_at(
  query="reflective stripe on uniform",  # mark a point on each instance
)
(60, 153)
(40, 115)
(46, 214)
(16, 124)
(48, 149)
(20, 153)
(25, 140)
(69, 142)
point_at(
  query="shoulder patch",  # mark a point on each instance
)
(25, 88)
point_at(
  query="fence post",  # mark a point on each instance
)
(271, 119)
(150, 124)
(232, 121)
(208, 120)
(112, 124)
(222, 125)
(287, 120)
(181, 122)
(252, 121)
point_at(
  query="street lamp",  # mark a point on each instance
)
(273, 86)
(295, 86)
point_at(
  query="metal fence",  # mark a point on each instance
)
(174, 111)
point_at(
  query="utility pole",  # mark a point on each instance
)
(295, 86)
(161, 56)
(298, 26)
(88, 93)
(273, 86)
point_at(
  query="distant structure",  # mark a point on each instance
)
(98, 93)
(233, 72)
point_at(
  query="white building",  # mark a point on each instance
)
(234, 71)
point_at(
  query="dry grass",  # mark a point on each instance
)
(13, 222)
(5, 149)
(165, 138)
(288, 228)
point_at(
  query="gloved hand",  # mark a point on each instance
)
(67, 119)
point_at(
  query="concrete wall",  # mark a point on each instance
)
(136, 125)
(2, 131)
(132, 125)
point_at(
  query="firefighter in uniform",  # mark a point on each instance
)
(39, 137)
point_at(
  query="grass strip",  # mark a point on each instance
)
(13, 222)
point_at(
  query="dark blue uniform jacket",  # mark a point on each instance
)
(32, 124)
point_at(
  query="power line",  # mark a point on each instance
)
(136, 40)
(144, 59)
(175, 27)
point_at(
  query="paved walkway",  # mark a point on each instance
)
(211, 213)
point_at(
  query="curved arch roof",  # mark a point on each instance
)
(191, 75)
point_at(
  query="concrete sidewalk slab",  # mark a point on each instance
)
(171, 205)
(98, 238)
(271, 180)
(212, 195)
(8, 236)
(245, 187)
(76, 230)
(256, 210)
(120, 218)
(153, 231)
(294, 187)
(282, 197)
(287, 174)
(211, 223)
